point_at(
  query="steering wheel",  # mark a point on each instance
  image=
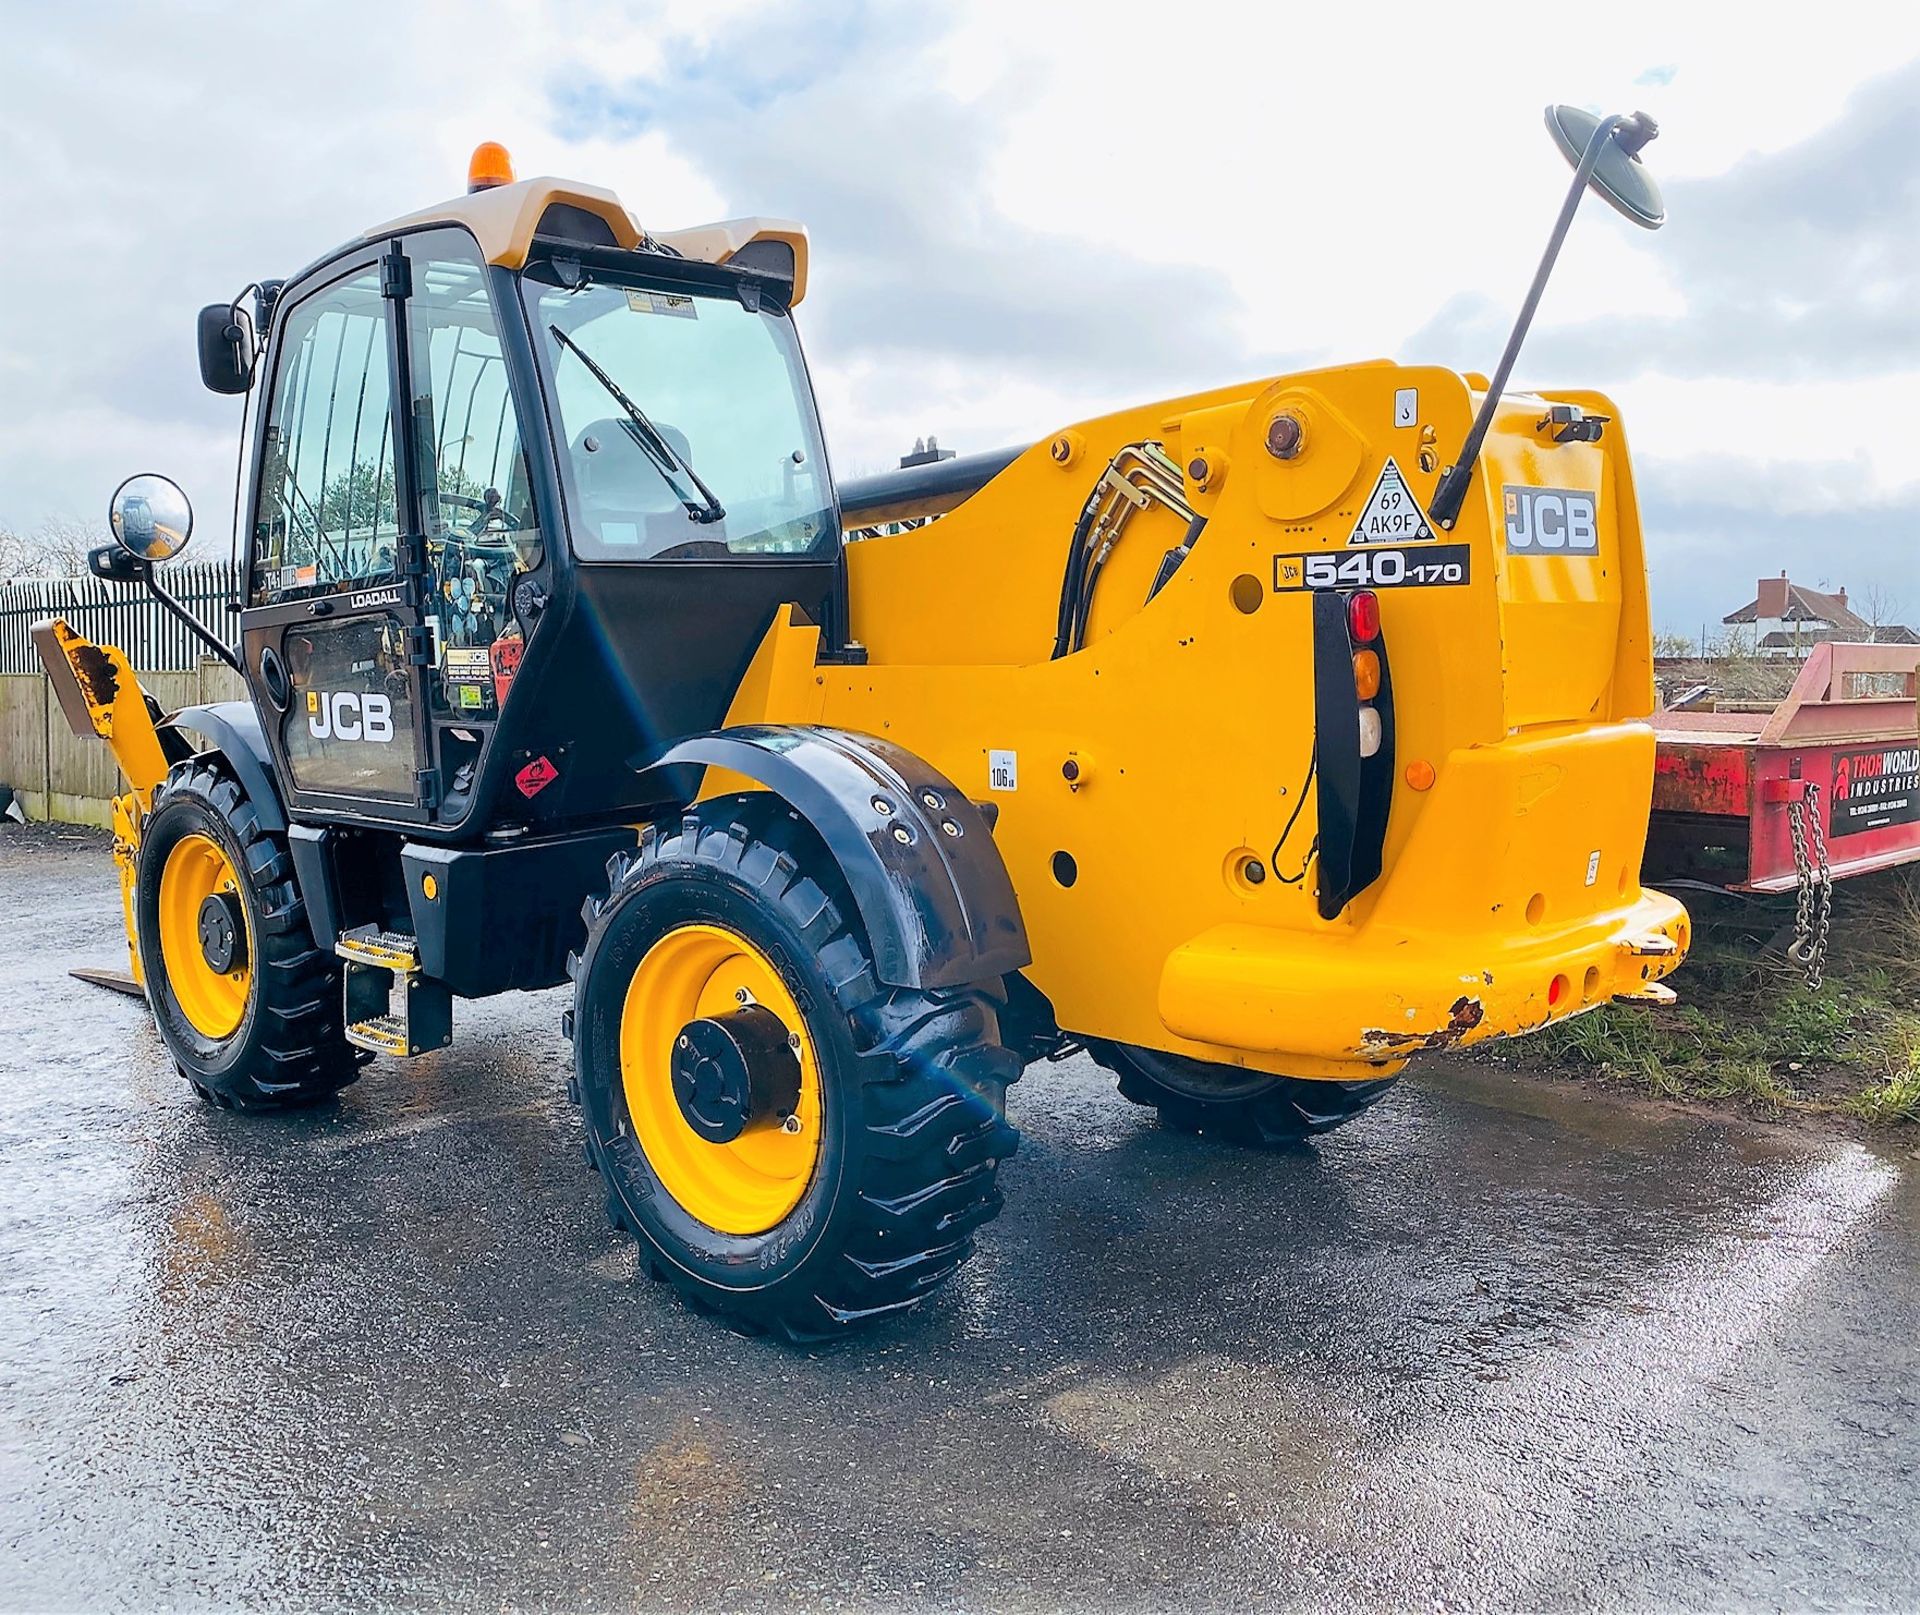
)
(496, 518)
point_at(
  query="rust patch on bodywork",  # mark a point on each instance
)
(95, 671)
(1466, 1014)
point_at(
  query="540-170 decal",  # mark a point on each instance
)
(1374, 567)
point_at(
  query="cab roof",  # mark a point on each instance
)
(505, 218)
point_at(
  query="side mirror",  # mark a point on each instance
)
(226, 348)
(150, 517)
(1618, 176)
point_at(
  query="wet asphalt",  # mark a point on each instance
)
(1498, 1344)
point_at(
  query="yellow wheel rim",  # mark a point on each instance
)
(215, 1002)
(752, 1183)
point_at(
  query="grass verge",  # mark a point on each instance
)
(1749, 1030)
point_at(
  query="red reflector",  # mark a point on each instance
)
(1363, 615)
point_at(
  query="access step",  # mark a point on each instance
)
(384, 1034)
(390, 1007)
(388, 950)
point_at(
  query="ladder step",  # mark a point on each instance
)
(384, 1034)
(391, 1008)
(386, 950)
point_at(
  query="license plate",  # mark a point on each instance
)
(1375, 567)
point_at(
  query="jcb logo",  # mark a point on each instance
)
(343, 715)
(1551, 521)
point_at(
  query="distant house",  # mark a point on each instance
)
(1789, 619)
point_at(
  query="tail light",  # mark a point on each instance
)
(1363, 628)
(1353, 743)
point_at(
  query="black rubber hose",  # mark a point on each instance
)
(1175, 558)
(1070, 583)
(1083, 606)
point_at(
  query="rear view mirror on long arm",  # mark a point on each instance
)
(1605, 153)
(1618, 176)
(150, 517)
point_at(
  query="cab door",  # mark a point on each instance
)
(484, 571)
(334, 638)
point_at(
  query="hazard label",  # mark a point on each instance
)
(536, 777)
(1392, 515)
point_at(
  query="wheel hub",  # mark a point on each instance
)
(735, 1071)
(223, 932)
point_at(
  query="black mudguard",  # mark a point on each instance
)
(933, 893)
(232, 728)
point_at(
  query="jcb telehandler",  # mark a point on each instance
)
(1256, 740)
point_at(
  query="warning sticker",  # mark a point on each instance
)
(536, 777)
(674, 303)
(1392, 515)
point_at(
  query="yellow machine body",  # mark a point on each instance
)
(99, 694)
(1139, 779)
(1154, 803)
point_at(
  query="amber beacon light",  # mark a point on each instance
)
(489, 166)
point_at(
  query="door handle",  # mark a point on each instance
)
(273, 674)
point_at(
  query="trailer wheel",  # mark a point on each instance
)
(795, 1146)
(1224, 1101)
(245, 1001)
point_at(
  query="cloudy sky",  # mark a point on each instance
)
(1024, 213)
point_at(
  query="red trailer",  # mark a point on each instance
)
(1845, 743)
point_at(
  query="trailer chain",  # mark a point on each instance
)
(1813, 914)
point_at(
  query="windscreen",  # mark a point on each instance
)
(686, 420)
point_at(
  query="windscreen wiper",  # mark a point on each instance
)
(671, 466)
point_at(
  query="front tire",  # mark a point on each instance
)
(1244, 1107)
(246, 1002)
(851, 1193)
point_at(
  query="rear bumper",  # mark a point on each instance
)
(1511, 899)
(1379, 996)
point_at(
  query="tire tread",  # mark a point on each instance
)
(301, 1055)
(930, 1069)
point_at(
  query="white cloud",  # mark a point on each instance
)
(1807, 446)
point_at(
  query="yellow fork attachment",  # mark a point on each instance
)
(99, 695)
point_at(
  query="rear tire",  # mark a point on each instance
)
(1229, 1102)
(267, 1034)
(905, 1099)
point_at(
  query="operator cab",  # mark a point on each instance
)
(529, 487)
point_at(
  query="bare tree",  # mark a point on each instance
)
(57, 548)
(1879, 607)
(19, 556)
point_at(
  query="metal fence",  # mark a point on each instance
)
(122, 614)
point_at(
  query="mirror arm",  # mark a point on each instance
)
(1452, 491)
(193, 624)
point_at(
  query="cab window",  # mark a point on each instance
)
(686, 421)
(327, 515)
